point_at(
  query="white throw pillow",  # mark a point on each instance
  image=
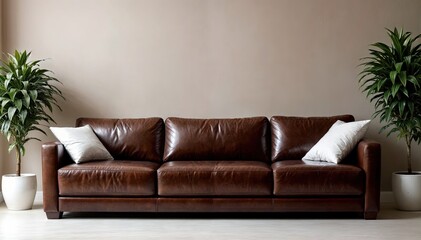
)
(338, 142)
(81, 143)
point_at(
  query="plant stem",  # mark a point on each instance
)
(18, 161)
(408, 154)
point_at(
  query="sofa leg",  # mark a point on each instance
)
(54, 215)
(370, 215)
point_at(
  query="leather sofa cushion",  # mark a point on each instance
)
(130, 139)
(217, 139)
(299, 178)
(108, 178)
(215, 178)
(293, 137)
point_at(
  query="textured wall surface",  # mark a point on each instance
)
(207, 58)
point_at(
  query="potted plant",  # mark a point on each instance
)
(391, 78)
(27, 96)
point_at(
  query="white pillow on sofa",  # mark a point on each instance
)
(81, 143)
(338, 142)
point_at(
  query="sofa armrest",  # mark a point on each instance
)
(53, 157)
(369, 159)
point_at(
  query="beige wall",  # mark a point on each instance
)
(215, 58)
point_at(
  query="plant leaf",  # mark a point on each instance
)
(395, 89)
(402, 77)
(18, 104)
(398, 66)
(393, 75)
(11, 112)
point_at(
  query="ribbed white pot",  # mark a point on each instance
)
(407, 190)
(19, 192)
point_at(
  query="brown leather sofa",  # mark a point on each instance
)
(211, 165)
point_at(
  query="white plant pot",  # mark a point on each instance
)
(407, 190)
(19, 192)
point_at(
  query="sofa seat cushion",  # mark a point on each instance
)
(299, 178)
(108, 178)
(215, 178)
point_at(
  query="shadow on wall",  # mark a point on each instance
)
(74, 106)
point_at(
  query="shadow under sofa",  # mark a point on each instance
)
(211, 165)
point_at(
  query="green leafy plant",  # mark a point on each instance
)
(391, 78)
(27, 96)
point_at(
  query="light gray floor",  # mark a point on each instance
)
(33, 224)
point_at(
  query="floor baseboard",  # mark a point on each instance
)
(386, 197)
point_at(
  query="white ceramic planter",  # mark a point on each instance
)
(407, 190)
(19, 192)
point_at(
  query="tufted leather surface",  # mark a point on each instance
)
(108, 178)
(299, 178)
(139, 139)
(214, 178)
(293, 137)
(317, 204)
(369, 159)
(107, 204)
(225, 204)
(217, 139)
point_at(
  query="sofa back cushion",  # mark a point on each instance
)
(129, 139)
(217, 139)
(293, 137)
